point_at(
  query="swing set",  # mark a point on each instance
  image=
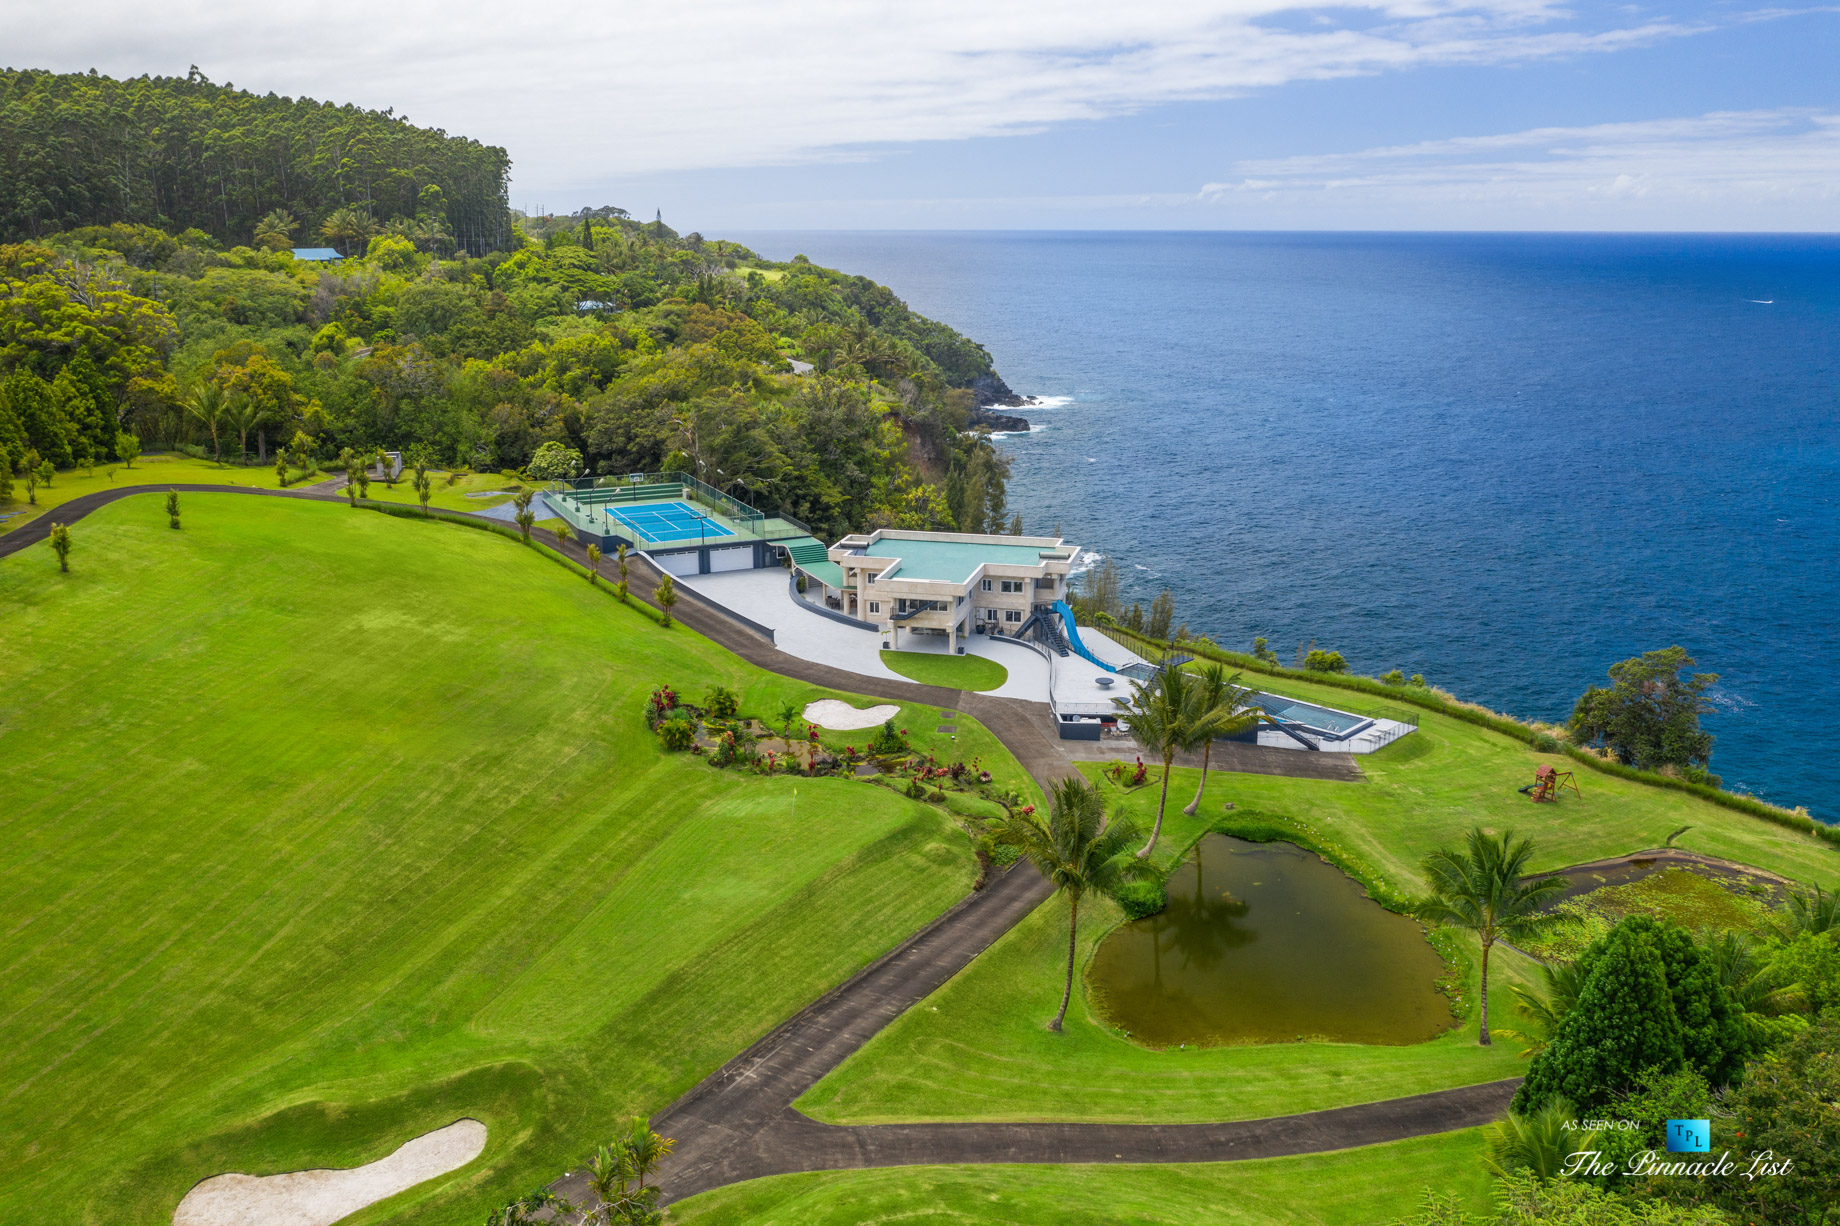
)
(1546, 784)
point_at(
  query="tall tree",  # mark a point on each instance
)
(1078, 852)
(1168, 714)
(1231, 709)
(206, 403)
(1649, 716)
(1482, 891)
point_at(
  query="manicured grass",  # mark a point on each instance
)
(978, 1049)
(148, 470)
(325, 828)
(966, 672)
(1355, 1187)
(445, 496)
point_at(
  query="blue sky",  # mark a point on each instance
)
(1245, 114)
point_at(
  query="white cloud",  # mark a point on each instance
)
(583, 91)
(1769, 169)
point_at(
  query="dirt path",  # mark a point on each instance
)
(739, 1123)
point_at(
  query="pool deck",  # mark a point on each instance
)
(799, 629)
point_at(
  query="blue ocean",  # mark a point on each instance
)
(1502, 461)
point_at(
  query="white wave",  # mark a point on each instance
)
(1034, 428)
(1763, 301)
(1049, 402)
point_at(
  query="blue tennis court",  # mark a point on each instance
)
(669, 522)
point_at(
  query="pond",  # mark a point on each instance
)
(1268, 943)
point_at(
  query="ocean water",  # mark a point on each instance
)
(1502, 461)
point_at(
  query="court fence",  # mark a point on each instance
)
(588, 503)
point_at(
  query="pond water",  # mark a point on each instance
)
(1268, 943)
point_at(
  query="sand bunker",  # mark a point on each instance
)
(842, 717)
(320, 1198)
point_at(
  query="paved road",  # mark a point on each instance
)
(739, 1123)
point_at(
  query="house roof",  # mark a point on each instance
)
(316, 253)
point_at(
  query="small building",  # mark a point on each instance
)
(949, 583)
(326, 255)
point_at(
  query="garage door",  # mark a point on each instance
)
(678, 563)
(731, 559)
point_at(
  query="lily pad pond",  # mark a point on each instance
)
(1268, 943)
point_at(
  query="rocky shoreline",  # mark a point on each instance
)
(991, 390)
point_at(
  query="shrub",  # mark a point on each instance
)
(1393, 678)
(936, 796)
(1545, 742)
(659, 706)
(1624, 1022)
(1141, 899)
(888, 741)
(1005, 855)
(677, 734)
(916, 790)
(724, 703)
(1319, 661)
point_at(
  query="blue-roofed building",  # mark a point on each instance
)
(326, 254)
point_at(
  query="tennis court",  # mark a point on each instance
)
(669, 523)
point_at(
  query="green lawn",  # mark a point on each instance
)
(966, 672)
(1356, 1187)
(156, 470)
(485, 489)
(978, 1049)
(325, 828)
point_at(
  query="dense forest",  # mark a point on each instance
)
(631, 346)
(180, 153)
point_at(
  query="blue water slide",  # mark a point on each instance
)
(1072, 632)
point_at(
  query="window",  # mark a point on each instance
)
(875, 606)
(983, 585)
(1046, 584)
(869, 575)
(988, 615)
(1012, 585)
(1012, 615)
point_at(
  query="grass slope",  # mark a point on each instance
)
(1357, 1187)
(154, 470)
(977, 1049)
(966, 672)
(326, 828)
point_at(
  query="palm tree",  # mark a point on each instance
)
(1077, 852)
(243, 414)
(610, 1170)
(204, 402)
(346, 227)
(1542, 1141)
(562, 534)
(646, 1148)
(1754, 986)
(1231, 709)
(1815, 912)
(1166, 715)
(276, 230)
(1544, 1010)
(594, 564)
(1483, 892)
